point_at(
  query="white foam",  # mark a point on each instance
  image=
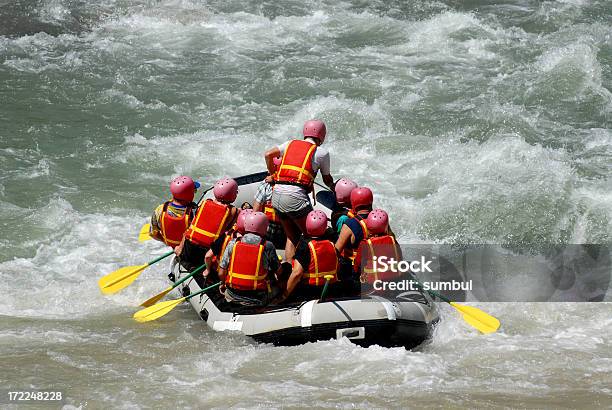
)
(54, 11)
(61, 278)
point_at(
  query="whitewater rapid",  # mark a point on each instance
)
(474, 123)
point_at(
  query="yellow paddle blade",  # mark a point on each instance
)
(144, 233)
(156, 311)
(119, 279)
(153, 300)
(477, 318)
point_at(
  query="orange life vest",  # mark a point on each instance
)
(296, 165)
(227, 240)
(271, 213)
(246, 270)
(173, 227)
(323, 261)
(376, 246)
(208, 223)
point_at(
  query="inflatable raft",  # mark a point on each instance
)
(367, 321)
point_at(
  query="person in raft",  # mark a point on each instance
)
(376, 242)
(213, 218)
(214, 254)
(315, 258)
(249, 265)
(263, 203)
(351, 234)
(301, 160)
(171, 219)
(342, 209)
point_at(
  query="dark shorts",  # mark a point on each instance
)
(192, 255)
(276, 235)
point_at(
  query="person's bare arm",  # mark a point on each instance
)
(154, 231)
(269, 156)
(258, 206)
(156, 235)
(345, 237)
(208, 260)
(179, 249)
(329, 181)
(222, 273)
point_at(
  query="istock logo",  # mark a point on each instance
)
(385, 264)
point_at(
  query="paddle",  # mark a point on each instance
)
(153, 300)
(123, 277)
(243, 180)
(475, 317)
(161, 309)
(327, 279)
(323, 186)
(144, 235)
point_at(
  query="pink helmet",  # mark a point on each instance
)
(241, 218)
(183, 188)
(256, 222)
(315, 129)
(277, 161)
(361, 197)
(225, 190)
(377, 221)
(343, 189)
(316, 223)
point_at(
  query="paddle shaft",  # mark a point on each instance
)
(324, 292)
(196, 271)
(431, 292)
(322, 186)
(202, 291)
(204, 193)
(165, 255)
(243, 180)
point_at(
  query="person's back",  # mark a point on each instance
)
(342, 208)
(249, 264)
(171, 219)
(315, 261)
(377, 244)
(217, 248)
(354, 229)
(301, 161)
(213, 218)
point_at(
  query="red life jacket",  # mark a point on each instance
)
(296, 165)
(271, 213)
(376, 246)
(171, 227)
(323, 261)
(208, 223)
(246, 270)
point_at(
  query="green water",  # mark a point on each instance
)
(477, 121)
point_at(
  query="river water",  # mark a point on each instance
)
(475, 121)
